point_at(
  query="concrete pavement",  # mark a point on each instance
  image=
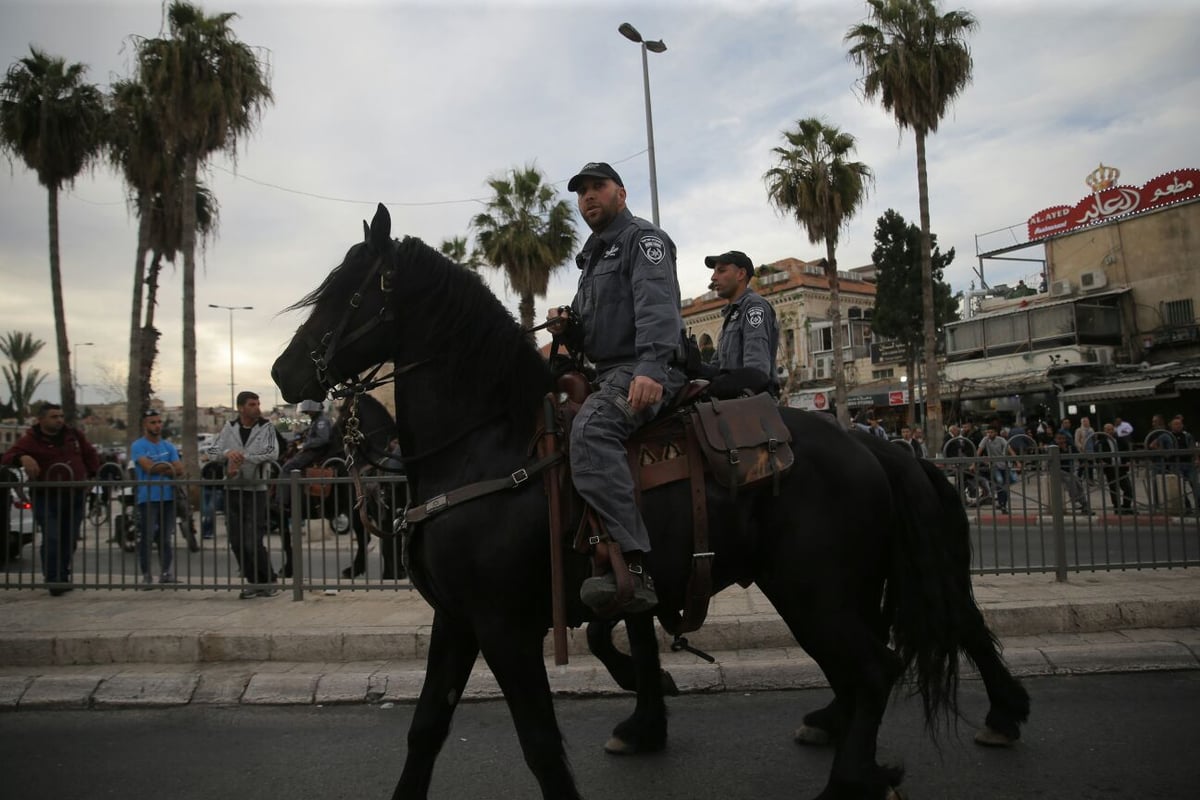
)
(124, 648)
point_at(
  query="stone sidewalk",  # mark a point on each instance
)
(110, 648)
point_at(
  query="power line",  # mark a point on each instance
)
(401, 203)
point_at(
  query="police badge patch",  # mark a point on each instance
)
(755, 316)
(653, 248)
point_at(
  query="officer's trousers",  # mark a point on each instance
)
(599, 465)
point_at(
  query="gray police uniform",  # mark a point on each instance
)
(628, 308)
(320, 435)
(749, 336)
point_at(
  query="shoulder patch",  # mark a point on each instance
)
(652, 248)
(755, 316)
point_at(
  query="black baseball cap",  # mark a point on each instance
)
(594, 169)
(735, 257)
(150, 412)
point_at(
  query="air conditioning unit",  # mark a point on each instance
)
(1062, 288)
(1093, 279)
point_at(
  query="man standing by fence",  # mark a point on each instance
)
(247, 445)
(996, 448)
(155, 462)
(52, 452)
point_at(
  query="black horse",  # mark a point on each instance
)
(364, 453)
(852, 548)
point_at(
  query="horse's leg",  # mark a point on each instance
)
(1008, 700)
(619, 665)
(825, 725)
(452, 652)
(861, 670)
(645, 731)
(515, 658)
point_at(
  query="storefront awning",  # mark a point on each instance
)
(1127, 390)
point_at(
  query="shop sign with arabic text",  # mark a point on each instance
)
(1116, 201)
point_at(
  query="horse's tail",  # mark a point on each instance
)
(924, 604)
(1008, 699)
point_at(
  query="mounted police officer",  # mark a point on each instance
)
(749, 337)
(626, 319)
(318, 440)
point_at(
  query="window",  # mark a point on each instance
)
(880, 374)
(1178, 312)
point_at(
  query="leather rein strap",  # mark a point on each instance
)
(473, 491)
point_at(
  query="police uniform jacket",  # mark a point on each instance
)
(628, 298)
(749, 335)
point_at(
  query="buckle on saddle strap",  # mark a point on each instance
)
(519, 477)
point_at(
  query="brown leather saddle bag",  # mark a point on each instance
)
(744, 440)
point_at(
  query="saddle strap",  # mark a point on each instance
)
(699, 587)
(473, 491)
(548, 445)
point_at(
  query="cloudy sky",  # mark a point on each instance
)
(417, 104)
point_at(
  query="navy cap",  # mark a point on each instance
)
(594, 169)
(735, 257)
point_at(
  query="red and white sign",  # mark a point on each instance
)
(898, 398)
(820, 401)
(1116, 201)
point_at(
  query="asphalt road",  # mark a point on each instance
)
(1103, 737)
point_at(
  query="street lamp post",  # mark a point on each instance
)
(631, 33)
(231, 309)
(75, 371)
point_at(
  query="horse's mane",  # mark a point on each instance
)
(472, 330)
(459, 319)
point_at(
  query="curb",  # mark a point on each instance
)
(411, 642)
(144, 686)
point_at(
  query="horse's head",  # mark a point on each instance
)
(457, 351)
(335, 343)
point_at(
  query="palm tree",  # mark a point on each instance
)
(816, 183)
(457, 250)
(527, 232)
(916, 61)
(154, 178)
(207, 91)
(54, 122)
(20, 348)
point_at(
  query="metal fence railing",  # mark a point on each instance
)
(1039, 510)
(1032, 511)
(313, 537)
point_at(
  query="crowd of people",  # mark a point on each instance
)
(1086, 455)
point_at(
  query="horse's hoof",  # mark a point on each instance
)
(894, 793)
(990, 737)
(619, 747)
(812, 737)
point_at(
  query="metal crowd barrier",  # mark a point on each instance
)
(1054, 520)
(321, 522)
(1041, 511)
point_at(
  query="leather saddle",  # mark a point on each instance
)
(742, 443)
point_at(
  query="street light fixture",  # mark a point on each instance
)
(631, 33)
(75, 371)
(231, 309)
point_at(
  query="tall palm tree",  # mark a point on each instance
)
(54, 121)
(207, 90)
(19, 347)
(815, 182)
(916, 61)
(527, 232)
(153, 177)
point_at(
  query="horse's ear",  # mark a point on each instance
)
(366, 231)
(381, 229)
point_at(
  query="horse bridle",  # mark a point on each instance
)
(327, 346)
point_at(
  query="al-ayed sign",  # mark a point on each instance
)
(1116, 201)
